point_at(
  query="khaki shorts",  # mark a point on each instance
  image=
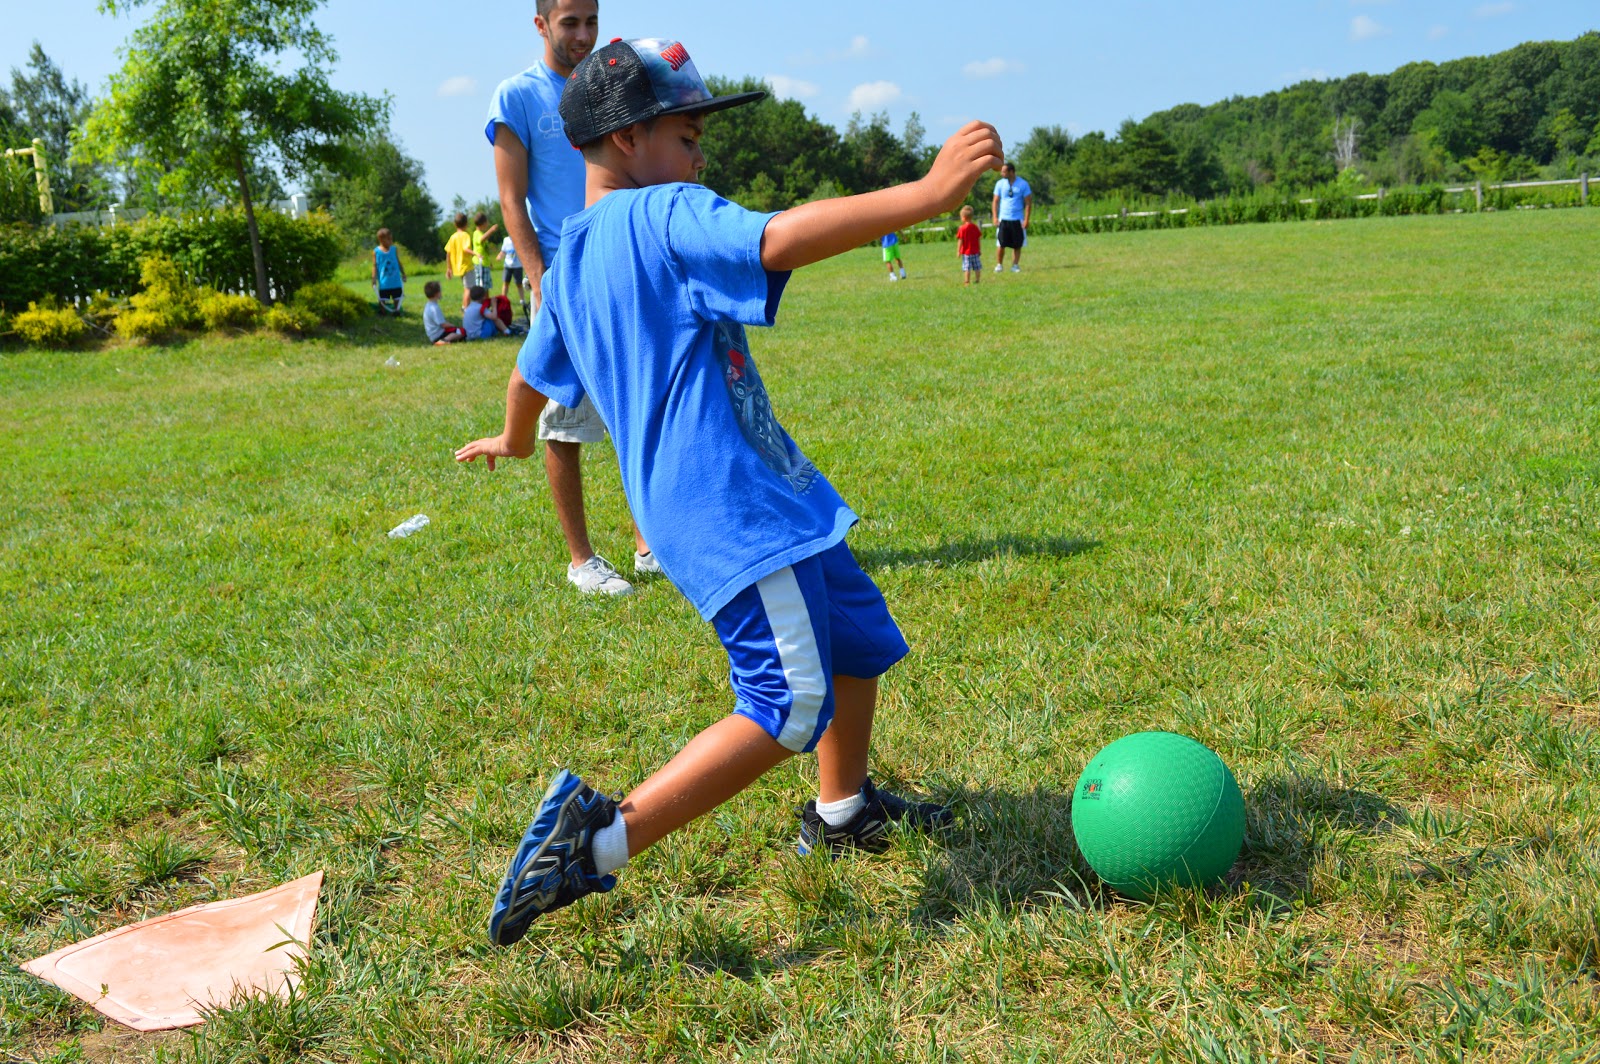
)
(577, 424)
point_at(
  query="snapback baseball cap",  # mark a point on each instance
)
(634, 81)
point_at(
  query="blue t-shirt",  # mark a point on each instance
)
(529, 104)
(388, 263)
(890, 239)
(644, 313)
(1012, 193)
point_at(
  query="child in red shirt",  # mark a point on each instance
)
(969, 245)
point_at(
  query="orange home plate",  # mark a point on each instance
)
(169, 970)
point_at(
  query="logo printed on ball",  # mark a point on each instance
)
(1091, 788)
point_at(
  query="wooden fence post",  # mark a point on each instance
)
(1478, 188)
(1583, 190)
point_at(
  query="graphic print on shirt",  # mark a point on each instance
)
(753, 410)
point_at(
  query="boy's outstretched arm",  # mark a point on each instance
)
(816, 231)
(519, 439)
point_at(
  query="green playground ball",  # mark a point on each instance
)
(1156, 809)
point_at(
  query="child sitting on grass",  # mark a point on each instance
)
(644, 312)
(479, 318)
(438, 330)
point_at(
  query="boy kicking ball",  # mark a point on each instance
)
(644, 311)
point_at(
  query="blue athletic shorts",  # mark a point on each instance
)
(789, 634)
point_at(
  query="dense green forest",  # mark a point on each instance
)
(1531, 111)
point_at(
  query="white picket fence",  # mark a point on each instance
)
(295, 206)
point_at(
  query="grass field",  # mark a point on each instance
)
(1323, 496)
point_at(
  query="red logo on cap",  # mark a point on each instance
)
(675, 55)
(614, 40)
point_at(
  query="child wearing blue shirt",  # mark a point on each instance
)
(644, 312)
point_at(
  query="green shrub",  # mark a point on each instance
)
(218, 310)
(48, 326)
(72, 261)
(289, 319)
(167, 304)
(331, 303)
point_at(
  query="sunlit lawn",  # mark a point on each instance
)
(1324, 496)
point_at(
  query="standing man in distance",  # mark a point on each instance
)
(541, 180)
(1011, 211)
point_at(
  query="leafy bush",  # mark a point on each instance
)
(144, 325)
(48, 326)
(72, 261)
(167, 304)
(331, 303)
(289, 319)
(218, 310)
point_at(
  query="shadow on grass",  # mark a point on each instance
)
(1014, 850)
(1292, 820)
(967, 551)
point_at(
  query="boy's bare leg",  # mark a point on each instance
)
(843, 750)
(716, 765)
(563, 466)
(638, 540)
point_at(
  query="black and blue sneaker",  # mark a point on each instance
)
(554, 865)
(869, 829)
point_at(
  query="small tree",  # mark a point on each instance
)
(202, 98)
(1345, 139)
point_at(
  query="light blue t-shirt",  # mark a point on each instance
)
(644, 313)
(529, 104)
(388, 263)
(1012, 193)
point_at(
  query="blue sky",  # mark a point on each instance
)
(1084, 66)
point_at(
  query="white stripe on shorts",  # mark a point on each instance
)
(797, 654)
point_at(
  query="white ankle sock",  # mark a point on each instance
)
(837, 814)
(610, 845)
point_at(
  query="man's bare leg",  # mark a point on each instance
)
(563, 466)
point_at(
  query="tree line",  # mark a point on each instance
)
(1533, 110)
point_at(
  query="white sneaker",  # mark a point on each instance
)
(597, 577)
(892, 277)
(997, 267)
(645, 564)
(1015, 268)
(902, 275)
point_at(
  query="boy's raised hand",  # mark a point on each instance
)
(971, 150)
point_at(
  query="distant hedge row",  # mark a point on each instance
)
(73, 262)
(1268, 207)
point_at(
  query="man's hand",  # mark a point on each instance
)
(973, 149)
(490, 447)
(535, 269)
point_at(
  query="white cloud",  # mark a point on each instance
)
(461, 85)
(791, 88)
(1366, 28)
(1305, 74)
(1493, 10)
(874, 95)
(992, 68)
(859, 48)
(1438, 32)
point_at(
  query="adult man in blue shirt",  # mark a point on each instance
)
(541, 181)
(1012, 210)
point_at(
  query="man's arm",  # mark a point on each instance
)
(519, 438)
(1027, 209)
(511, 175)
(815, 231)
